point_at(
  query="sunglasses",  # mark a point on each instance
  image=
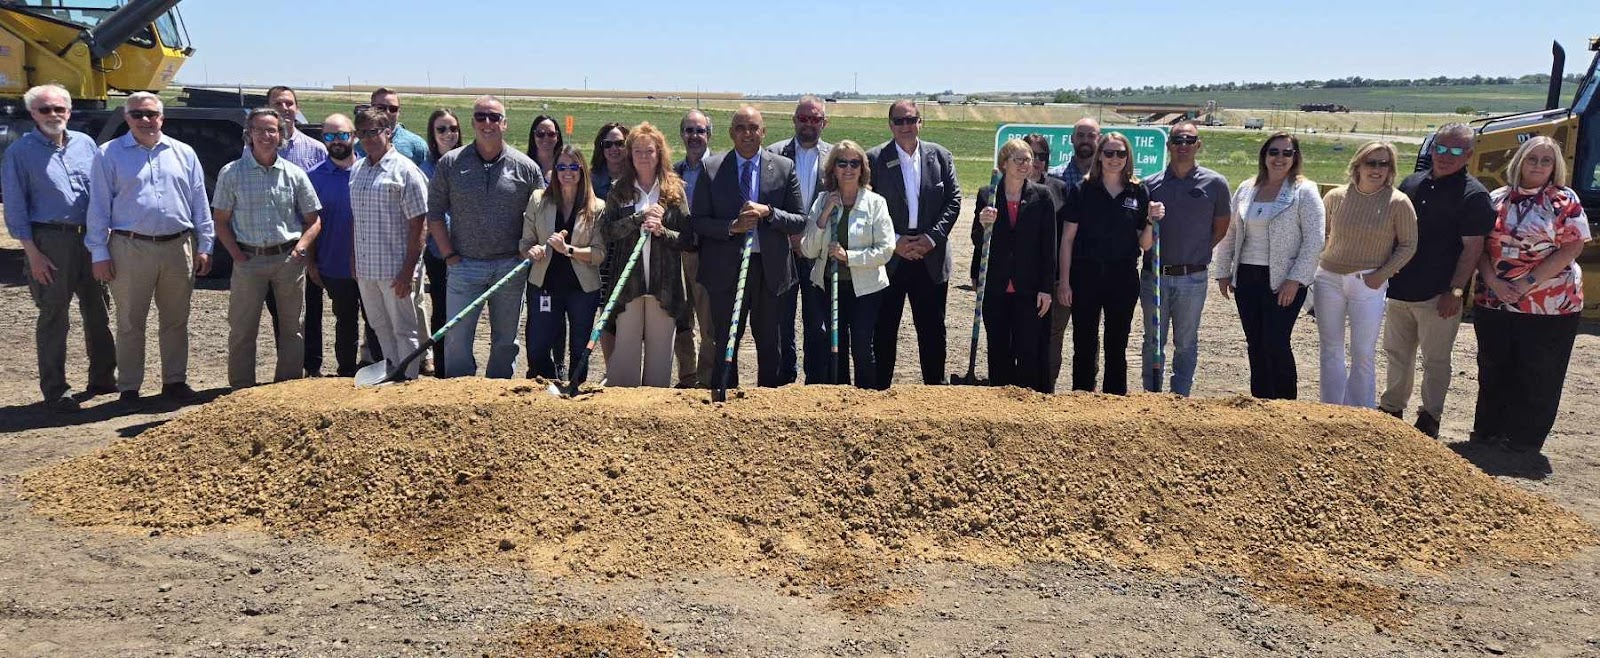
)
(1022, 160)
(696, 130)
(611, 143)
(489, 117)
(545, 134)
(143, 114)
(568, 167)
(1184, 140)
(1377, 164)
(369, 133)
(1280, 153)
(853, 163)
(905, 121)
(1114, 154)
(1440, 149)
(53, 109)
(445, 130)
(336, 137)
(391, 109)
(1041, 156)
(810, 121)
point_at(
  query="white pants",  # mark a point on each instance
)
(1341, 298)
(394, 320)
(644, 332)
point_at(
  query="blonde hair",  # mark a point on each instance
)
(671, 185)
(1558, 177)
(1366, 151)
(830, 167)
(1095, 172)
(1009, 149)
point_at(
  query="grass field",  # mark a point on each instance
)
(972, 142)
(1499, 99)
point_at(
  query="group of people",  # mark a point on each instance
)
(836, 239)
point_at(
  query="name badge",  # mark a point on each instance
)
(1130, 203)
(544, 303)
(1510, 252)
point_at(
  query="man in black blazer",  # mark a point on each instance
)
(747, 189)
(918, 180)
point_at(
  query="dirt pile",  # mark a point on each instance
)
(1299, 497)
(617, 638)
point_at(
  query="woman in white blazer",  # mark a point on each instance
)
(1267, 259)
(850, 229)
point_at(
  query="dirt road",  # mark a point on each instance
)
(69, 591)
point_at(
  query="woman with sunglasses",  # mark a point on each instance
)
(1268, 258)
(1529, 300)
(1108, 228)
(1371, 234)
(559, 236)
(443, 135)
(647, 198)
(544, 146)
(609, 157)
(851, 230)
(1017, 296)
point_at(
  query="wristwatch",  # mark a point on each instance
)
(1530, 279)
(569, 251)
(1458, 292)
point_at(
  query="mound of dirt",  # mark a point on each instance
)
(617, 638)
(822, 483)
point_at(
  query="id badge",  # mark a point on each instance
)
(544, 303)
(1510, 253)
(1130, 203)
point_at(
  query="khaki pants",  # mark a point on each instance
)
(695, 369)
(286, 278)
(147, 271)
(394, 320)
(1406, 327)
(74, 277)
(644, 329)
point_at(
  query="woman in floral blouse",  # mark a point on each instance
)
(1530, 295)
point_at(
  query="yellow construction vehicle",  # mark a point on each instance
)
(1576, 127)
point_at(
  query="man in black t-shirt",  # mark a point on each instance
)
(1425, 297)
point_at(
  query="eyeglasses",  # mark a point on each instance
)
(852, 163)
(1022, 160)
(1541, 160)
(905, 121)
(488, 117)
(810, 120)
(568, 167)
(1183, 140)
(1041, 156)
(143, 114)
(264, 131)
(545, 134)
(391, 109)
(53, 109)
(370, 133)
(1377, 164)
(336, 137)
(1440, 149)
(611, 143)
(696, 130)
(1280, 153)
(445, 130)
(1114, 154)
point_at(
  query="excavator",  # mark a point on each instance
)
(95, 48)
(1576, 127)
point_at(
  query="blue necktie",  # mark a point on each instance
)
(745, 174)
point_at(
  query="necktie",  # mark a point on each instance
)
(746, 173)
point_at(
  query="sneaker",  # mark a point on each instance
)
(1427, 424)
(1396, 414)
(63, 405)
(181, 392)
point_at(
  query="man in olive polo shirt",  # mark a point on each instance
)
(1425, 297)
(266, 217)
(1198, 204)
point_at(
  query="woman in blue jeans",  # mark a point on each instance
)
(558, 235)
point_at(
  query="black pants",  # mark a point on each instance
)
(556, 356)
(1267, 327)
(759, 317)
(1111, 289)
(814, 313)
(347, 314)
(1017, 337)
(438, 275)
(911, 280)
(1522, 368)
(858, 320)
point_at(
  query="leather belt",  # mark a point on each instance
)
(76, 229)
(267, 251)
(1181, 270)
(151, 238)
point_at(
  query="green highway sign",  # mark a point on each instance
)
(1149, 143)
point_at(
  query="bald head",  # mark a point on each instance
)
(748, 130)
(1085, 134)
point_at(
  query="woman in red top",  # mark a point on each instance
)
(1021, 272)
(1530, 295)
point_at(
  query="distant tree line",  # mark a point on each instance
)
(1352, 82)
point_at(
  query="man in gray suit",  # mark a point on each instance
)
(747, 189)
(808, 152)
(918, 180)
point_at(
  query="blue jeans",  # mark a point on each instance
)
(467, 280)
(575, 310)
(1182, 300)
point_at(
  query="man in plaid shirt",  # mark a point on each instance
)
(389, 199)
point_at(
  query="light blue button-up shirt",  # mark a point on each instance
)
(45, 183)
(151, 191)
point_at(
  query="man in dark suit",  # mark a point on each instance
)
(918, 180)
(808, 152)
(747, 189)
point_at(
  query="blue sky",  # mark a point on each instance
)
(920, 45)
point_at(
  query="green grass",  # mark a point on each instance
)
(1231, 153)
(1499, 99)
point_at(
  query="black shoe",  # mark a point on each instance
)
(1426, 424)
(313, 374)
(1396, 414)
(131, 398)
(63, 405)
(180, 392)
(94, 391)
(1485, 440)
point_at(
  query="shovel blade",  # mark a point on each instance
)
(373, 374)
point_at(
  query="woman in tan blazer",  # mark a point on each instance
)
(560, 236)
